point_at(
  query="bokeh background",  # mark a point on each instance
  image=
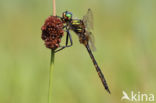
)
(125, 34)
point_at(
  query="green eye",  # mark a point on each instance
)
(68, 15)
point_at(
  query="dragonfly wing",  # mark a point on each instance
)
(88, 20)
(91, 41)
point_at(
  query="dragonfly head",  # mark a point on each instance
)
(66, 16)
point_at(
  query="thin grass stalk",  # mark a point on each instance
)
(54, 8)
(51, 76)
(51, 63)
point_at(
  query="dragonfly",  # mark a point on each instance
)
(82, 27)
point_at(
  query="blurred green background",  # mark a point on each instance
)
(125, 34)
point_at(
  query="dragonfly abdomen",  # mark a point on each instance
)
(103, 80)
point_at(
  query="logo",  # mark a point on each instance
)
(138, 97)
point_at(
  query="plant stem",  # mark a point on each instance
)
(51, 63)
(54, 8)
(51, 76)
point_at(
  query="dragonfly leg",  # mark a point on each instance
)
(71, 42)
(70, 37)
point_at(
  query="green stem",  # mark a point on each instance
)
(51, 76)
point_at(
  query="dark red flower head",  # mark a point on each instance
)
(52, 32)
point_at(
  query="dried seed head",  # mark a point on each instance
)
(52, 32)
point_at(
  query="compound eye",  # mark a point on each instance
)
(69, 16)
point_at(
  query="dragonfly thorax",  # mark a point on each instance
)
(77, 26)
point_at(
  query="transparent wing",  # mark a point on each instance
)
(88, 20)
(91, 41)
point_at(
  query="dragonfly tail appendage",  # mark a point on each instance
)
(98, 69)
